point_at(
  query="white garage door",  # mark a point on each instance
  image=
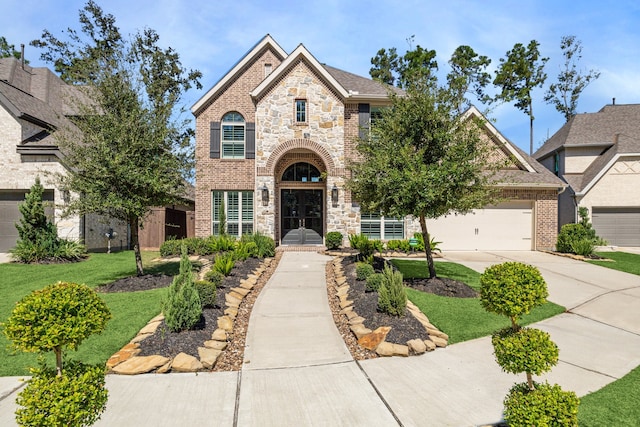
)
(507, 226)
(618, 226)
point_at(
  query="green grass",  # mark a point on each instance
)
(462, 319)
(130, 311)
(622, 261)
(613, 405)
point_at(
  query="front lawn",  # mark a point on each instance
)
(622, 261)
(130, 311)
(462, 319)
(613, 405)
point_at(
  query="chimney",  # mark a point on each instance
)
(22, 55)
(614, 101)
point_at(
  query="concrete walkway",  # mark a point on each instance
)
(298, 371)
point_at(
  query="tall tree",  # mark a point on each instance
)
(519, 73)
(8, 50)
(468, 75)
(127, 151)
(571, 82)
(422, 159)
(416, 64)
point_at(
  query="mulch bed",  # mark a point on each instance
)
(169, 344)
(406, 327)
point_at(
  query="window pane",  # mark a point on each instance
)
(371, 229)
(301, 111)
(232, 229)
(232, 206)
(215, 211)
(393, 228)
(247, 207)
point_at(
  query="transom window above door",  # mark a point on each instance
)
(233, 136)
(302, 171)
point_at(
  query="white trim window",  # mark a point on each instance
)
(301, 111)
(376, 226)
(233, 136)
(238, 206)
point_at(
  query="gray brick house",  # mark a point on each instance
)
(273, 138)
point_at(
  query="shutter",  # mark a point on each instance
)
(250, 149)
(214, 139)
(364, 115)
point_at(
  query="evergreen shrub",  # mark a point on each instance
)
(546, 405)
(392, 296)
(363, 270)
(333, 240)
(182, 307)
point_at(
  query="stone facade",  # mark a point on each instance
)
(326, 140)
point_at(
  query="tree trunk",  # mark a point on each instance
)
(133, 224)
(427, 247)
(530, 129)
(58, 352)
(530, 381)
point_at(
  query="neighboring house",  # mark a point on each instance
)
(273, 139)
(34, 103)
(598, 155)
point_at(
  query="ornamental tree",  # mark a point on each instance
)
(423, 158)
(127, 150)
(56, 318)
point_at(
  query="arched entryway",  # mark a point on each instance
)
(301, 198)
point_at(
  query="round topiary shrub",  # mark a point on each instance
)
(524, 350)
(512, 289)
(333, 240)
(56, 318)
(76, 398)
(363, 270)
(374, 281)
(546, 405)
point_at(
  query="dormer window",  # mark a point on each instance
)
(301, 111)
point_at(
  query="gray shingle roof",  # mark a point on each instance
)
(541, 176)
(594, 128)
(362, 85)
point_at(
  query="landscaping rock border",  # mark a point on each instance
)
(374, 340)
(127, 362)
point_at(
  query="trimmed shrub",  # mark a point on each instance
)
(525, 350)
(547, 405)
(512, 289)
(182, 307)
(223, 263)
(363, 270)
(374, 281)
(76, 398)
(399, 245)
(170, 247)
(569, 234)
(66, 314)
(206, 292)
(392, 296)
(214, 277)
(333, 240)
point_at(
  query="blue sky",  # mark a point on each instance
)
(212, 35)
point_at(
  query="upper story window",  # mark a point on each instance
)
(301, 111)
(233, 136)
(556, 164)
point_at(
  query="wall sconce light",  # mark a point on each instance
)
(265, 195)
(334, 195)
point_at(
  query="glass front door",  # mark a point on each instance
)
(301, 218)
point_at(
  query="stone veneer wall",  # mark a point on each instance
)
(227, 174)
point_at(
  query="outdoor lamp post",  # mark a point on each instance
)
(265, 195)
(334, 195)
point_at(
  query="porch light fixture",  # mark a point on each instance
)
(265, 195)
(334, 195)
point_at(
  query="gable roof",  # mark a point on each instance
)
(528, 172)
(266, 42)
(594, 129)
(348, 85)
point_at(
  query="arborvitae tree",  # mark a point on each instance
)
(34, 224)
(182, 308)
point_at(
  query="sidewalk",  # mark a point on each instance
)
(298, 371)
